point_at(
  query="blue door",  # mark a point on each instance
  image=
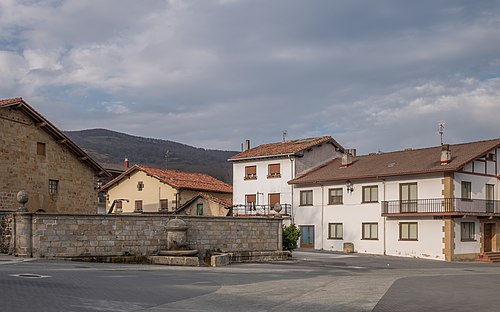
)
(307, 236)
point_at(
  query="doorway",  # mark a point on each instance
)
(307, 236)
(489, 230)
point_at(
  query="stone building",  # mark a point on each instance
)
(39, 158)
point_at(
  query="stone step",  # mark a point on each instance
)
(491, 257)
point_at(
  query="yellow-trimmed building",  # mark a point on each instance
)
(144, 189)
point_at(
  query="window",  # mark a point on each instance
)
(335, 231)
(408, 231)
(119, 206)
(138, 206)
(466, 190)
(468, 231)
(163, 204)
(490, 157)
(306, 198)
(250, 199)
(274, 198)
(370, 194)
(408, 197)
(490, 196)
(199, 209)
(370, 230)
(250, 172)
(40, 149)
(140, 185)
(335, 196)
(273, 171)
(53, 187)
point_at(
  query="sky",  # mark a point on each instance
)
(375, 75)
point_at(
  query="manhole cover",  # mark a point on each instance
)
(29, 275)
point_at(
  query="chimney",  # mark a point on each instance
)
(346, 158)
(125, 163)
(445, 154)
(352, 151)
(247, 145)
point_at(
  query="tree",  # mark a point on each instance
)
(291, 235)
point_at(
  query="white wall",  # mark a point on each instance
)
(262, 184)
(467, 247)
(352, 213)
(478, 184)
(430, 239)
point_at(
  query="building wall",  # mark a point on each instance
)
(478, 184)
(430, 239)
(210, 208)
(467, 247)
(314, 157)
(150, 195)
(61, 235)
(263, 185)
(21, 168)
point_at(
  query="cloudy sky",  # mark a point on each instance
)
(375, 75)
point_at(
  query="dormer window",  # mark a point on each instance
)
(274, 171)
(250, 172)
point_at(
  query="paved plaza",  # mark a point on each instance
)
(312, 281)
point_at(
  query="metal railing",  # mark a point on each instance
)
(260, 210)
(441, 205)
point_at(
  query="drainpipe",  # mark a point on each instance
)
(322, 216)
(292, 175)
(385, 231)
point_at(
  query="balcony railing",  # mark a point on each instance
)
(441, 206)
(260, 210)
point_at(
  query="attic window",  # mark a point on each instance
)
(40, 148)
(490, 157)
(140, 185)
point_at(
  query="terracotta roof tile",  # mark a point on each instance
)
(284, 148)
(179, 179)
(407, 162)
(10, 101)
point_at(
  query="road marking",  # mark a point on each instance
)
(29, 275)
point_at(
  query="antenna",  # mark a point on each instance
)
(284, 135)
(441, 130)
(166, 158)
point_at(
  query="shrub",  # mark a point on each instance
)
(291, 235)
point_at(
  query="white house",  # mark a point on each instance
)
(437, 203)
(260, 174)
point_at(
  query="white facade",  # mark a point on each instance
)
(290, 166)
(429, 239)
(263, 185)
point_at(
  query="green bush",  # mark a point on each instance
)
(291, 235)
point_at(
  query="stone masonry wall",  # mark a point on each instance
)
(65, 235)
(22, 168)
(6, 221)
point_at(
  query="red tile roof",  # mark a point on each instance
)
(178, 179)
(284, 148)
(407, 162)
(10, 101)
(226, 203)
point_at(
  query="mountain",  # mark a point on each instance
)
(110, 147)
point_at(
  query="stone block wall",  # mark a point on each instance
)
(6, 223)
(69, 235)
(21, 168)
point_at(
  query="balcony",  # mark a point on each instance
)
(260, 210)
(441, 207)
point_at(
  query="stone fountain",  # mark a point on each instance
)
(178, 252)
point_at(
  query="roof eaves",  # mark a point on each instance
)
(262, 157)
(59, 136)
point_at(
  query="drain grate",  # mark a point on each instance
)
(29, 275)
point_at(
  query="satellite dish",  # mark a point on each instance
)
(277, 207)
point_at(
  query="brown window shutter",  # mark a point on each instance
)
(274, 198)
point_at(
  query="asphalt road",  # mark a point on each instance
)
(312, 281)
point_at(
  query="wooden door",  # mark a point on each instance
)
(488, 236)
(307, 236)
